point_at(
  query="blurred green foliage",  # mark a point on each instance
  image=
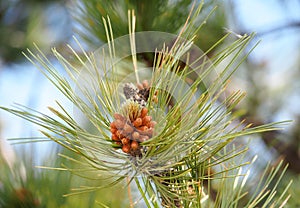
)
(158, 15)
(23, 185)
(24, 22)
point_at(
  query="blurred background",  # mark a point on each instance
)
(270, 77)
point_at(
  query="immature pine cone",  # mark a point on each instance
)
(129, 132)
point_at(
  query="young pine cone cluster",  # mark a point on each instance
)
(129, 132)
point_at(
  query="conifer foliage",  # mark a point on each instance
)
(172, 135)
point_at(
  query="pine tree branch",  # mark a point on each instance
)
(272, 31)
(291, 25)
